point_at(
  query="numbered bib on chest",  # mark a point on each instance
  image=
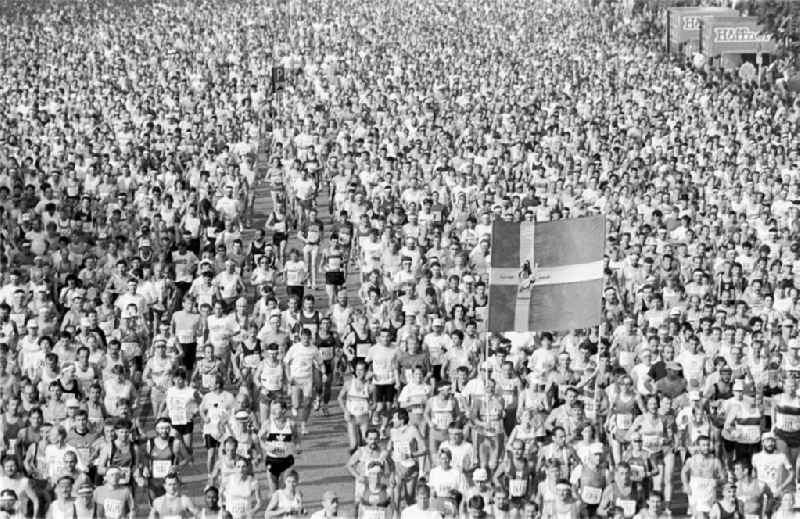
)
(161, 468)
(787, 422)
(628, 507)
(442, 420)
(130, 349)
(362, 349)
(749, 433)
(208, 380)
(238, 507)
(178, 412)
(326, 353)
(112, 508)
(243, 449)
(517, 487)
(372, 512)
(651, 442)
(624, 421)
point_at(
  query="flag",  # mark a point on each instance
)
(546, 276)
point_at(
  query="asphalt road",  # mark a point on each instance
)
(325, 448)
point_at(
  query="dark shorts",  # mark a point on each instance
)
(210, 441)
(334, 278)
(270, 396)
(189, 355)
(384, 393)
(278, 466)
(184, 429)
(278, 238)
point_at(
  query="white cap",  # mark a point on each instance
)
(480, 474)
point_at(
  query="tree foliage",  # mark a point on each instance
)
(781, 17)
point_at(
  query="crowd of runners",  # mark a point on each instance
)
(140, 304)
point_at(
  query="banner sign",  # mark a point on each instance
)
(683, 24)
(734, 35)
(278, 79)
(546, 276)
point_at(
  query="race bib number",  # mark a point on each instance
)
(178, 412)
(278, 450)
(625, 358)
(403, 448)
(112, 508)
(130, 349)
(326, 353)
(442, 420)
(243, 449)
(749, 433)
(238, 507)
(704, 492)
(19, 319)
(591, 495)
(161, 468)
(637, 472)
(517, 487)
(372, 512)
(208, 380)
(651, 442)
(787, 422)
(362, 349)
(628, 507)
(624, 421)
(186, 338)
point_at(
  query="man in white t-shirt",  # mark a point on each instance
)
(385, 374)
(301, 360)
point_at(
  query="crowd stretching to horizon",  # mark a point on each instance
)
(147, 314)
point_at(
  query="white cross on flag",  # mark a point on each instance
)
(546, 276)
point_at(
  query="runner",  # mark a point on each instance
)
(241, 491)
(173, 503)
(701, 476)
(280, 440)
(303, 363)
(355, 400)
(181, 407)
(286, 502)
(406, 446)
(164, 454)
